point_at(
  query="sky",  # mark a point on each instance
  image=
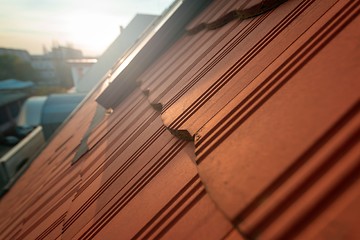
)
(89, 25)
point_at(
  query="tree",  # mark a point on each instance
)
(63, 73)
(14, 67)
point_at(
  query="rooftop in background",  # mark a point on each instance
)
(87, 25)
(13, 84)
(82, 61)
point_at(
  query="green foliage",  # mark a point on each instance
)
(14, 67)
(63, 73)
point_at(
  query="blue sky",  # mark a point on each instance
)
(90, 25)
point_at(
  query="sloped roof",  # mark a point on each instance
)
(245, 130)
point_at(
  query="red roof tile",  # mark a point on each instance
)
(272, 104)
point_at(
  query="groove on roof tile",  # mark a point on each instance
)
(120, 171)
(122, 147)
(132, 191)
(57, 154)
(160, 222)
(125, 144)
(46, 202)
(268, 87)
(119, 127)
(218, 56)
(55, 224)
(15, 234)
(240, 14)
(107, 127)
(291, 17)
(162, 37)
(97, 118)
(277, 146)
(336, 26)
(238, 65)
(302, 7)
(328, 170)
(195, 198)
(40, 201)
(175, 53)
(11, 233)
(55, 207)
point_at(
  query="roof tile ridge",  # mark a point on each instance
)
(240, 14)
(179, 133)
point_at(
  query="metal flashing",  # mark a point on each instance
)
(154, 42)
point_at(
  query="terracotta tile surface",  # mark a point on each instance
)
(249, 130)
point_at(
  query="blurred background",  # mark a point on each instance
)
(52, 54)
(37, 25)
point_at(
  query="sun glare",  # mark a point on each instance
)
(91, 33)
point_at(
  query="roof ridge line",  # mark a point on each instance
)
(179, 133)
